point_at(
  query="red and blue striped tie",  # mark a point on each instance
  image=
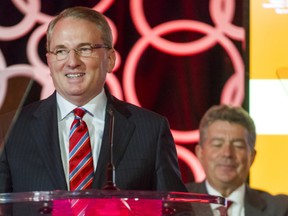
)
(80, 155)
(223, 210)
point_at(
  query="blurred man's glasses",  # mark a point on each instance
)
(84, 51)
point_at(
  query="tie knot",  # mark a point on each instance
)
(223, 210)
(79, 112)
(229, 203)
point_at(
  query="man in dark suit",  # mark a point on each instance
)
(80, 53)
(226, 151)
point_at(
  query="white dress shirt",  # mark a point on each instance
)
(237, 197)
(95, 120)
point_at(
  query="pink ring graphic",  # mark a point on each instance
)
(9, 72)
(142, 44)
(3, 64)
(33, 44)
(192, 161)
(223, 18)
(103, 5)
(26, 24)
(152, 36)
(24, 7)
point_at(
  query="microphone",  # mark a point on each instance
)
(110, 172)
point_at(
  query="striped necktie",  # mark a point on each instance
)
(80, 155)
(223, 210)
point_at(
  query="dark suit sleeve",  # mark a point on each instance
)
(5, 178)
(168, 176)
(280, 204)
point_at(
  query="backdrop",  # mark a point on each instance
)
(175, 57)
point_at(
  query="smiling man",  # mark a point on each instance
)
(226, 151)
(63, 143)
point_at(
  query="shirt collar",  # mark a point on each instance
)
(95, 107)
(237, 196)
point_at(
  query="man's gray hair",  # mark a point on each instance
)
(232, 114)
(87, 14)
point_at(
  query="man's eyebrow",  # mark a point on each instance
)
(79, 45)
(84, 44)
(217, 138)
(238, 140)
(59, 46)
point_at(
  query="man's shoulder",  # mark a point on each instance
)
(127, 109)
(196, 187)
(264, 194)
(43, 103)
(266, 201)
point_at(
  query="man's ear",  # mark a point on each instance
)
(199, 151)
(111, 59)
(48, 60)
(253, 155)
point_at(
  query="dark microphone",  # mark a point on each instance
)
(110, 172)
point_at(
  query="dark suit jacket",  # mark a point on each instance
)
(144, 152)
(257, 203)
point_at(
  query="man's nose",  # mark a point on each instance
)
(73, 59)
(227, 149)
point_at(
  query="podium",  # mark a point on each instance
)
(107, 203)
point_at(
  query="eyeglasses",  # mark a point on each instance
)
(84, 51)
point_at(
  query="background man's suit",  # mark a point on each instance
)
(257, 203)
(143, 151)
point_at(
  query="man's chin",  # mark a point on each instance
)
(227, 177)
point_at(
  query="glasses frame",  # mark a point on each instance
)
(60, 57)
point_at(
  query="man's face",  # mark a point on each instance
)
(78, 79)
(225, 155)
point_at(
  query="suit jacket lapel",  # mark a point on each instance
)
(254, 205)
(200, 209)
(45, 127)
(202, 188)
(123, 130)
(100, 174)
